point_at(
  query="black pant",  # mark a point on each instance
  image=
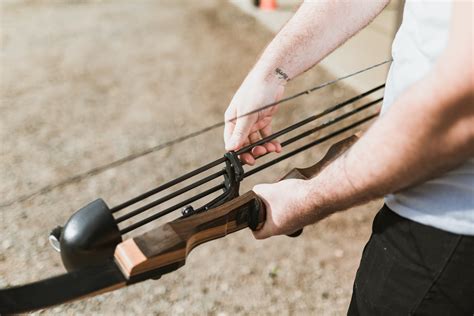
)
(412, 269)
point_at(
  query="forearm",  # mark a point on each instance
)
(427, 132)
(315, 30)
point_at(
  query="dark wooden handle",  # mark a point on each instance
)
(310, 172)
(332, 154)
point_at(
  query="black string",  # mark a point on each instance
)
(330, 122)
(116, 163)
(327, 83)
(221, 160)
(170, 184)
(254, 170)
(172, 208)
(309, 145)
(169, 196)
(309, 119)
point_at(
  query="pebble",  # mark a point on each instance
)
(339, 253)
(139, 309)
(178, 309)
(160, 290)
(224, 287)
(298, 294)
(7, 244)
(245, 270)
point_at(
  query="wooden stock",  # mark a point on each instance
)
(172, 242)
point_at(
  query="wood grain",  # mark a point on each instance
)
(332, 154)
(173, 241)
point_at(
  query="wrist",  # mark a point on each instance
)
(270, 74)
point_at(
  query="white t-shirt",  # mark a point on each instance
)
(446, 202)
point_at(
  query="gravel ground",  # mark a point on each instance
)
(84, 83)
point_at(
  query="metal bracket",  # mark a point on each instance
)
(234, 173)
(234, 167)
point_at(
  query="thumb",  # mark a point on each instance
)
(263, 232)
(240, 133)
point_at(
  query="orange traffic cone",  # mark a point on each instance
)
(268, 5)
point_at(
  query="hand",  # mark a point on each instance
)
(252, 95)
(287, 207)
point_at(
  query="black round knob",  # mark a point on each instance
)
(187, 210)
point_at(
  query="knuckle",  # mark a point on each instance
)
(239, 132)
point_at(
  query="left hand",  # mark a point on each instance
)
(286, 203)
(240, 129)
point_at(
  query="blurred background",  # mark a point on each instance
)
(84, 83)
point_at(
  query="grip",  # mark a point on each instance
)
(258, 214)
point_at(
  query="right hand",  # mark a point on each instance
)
(286, 212)
(253, 94)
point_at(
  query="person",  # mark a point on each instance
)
(418, 153)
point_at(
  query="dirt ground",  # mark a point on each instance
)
(84, 83)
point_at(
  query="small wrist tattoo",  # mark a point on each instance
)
(281, 74)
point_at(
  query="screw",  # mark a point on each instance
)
(187, 210)
(55, 237)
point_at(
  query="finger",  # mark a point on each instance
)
(240, 133)
(263, 149)
(228, 129)
(270, 147)
(229, 124)
(247, 159)
(254, 137)
(260, 234)
(257, 150)
(263, 232)
(273, 145)
(278, 146)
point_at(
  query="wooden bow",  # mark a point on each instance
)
(156, 252)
